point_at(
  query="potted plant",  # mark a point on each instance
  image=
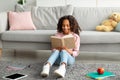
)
(22, 2)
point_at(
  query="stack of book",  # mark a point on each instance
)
(95, 75)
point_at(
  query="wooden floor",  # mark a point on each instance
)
(0, 52)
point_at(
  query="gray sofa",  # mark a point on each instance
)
(45, 20)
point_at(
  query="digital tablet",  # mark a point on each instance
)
(15, 76)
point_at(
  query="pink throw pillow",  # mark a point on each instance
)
(21, 21)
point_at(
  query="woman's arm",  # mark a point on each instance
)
(68, 50)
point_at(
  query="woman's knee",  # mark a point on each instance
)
(64, 52)
(56, 50)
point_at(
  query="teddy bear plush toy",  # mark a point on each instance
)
(115, 16)
(109, 24)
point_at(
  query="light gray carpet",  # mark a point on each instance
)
(75, 72)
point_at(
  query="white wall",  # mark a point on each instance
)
(80, 3)
(7, 5)
(50, 3)
(108, 3)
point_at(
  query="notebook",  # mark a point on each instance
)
(95, 75)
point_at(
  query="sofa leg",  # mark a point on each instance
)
(0, 52)
(15, 52)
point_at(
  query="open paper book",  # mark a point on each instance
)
(67, 41)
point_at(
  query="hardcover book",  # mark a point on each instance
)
(67, 41)
(95, 75)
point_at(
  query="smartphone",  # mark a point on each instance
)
(15, 76)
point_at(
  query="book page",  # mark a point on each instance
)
(69, 42)
(56, 42)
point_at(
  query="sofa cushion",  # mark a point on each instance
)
(21, 21)
(89, 17)
(87, 37)
(28, 35)
(93, 37)
(46, 18)
(22, 8)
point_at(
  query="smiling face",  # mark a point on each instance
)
(66, 26)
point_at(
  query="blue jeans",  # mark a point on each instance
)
(59, 57)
